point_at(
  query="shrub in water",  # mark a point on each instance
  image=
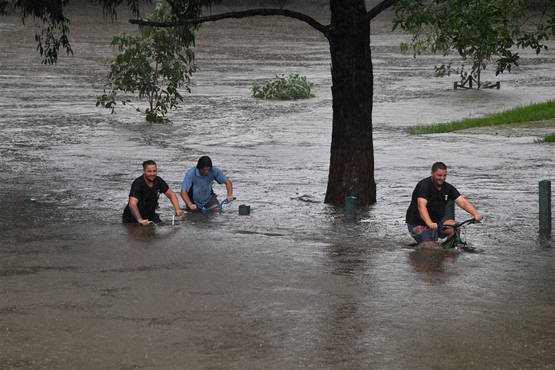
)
(284, 88)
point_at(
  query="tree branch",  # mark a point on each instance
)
(241, 14)
(385, 4)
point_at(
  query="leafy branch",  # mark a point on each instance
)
(480, 31)
(154, 65)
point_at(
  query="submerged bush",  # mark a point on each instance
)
(284, 88)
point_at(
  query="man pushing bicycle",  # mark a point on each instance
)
(426, 213)
(196, 190)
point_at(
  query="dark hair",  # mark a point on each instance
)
(438, 166)
(148, 163)
(204, 162)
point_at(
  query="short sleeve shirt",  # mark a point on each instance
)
(200, 187)
(437, 201)
(147, 196)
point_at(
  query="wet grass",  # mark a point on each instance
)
(534, 112)
(549, 138)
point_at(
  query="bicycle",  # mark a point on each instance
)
(219, 206)
(457, 241)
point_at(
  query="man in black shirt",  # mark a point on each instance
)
(144, 194)
(427, 207)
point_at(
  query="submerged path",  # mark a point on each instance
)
(292, 285)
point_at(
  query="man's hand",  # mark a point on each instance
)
(179, 212)
(193, 207)
(230, 198)
(432, 225)
(144, 222)
(478, 217)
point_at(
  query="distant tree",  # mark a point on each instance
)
(54, 34)
(154, 65)
(480, 31)
(348, 33)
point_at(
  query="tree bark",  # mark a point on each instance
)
(352, 155)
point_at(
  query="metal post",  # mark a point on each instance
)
(545, 208)
(350, 208)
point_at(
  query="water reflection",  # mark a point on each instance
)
(545, 242)
(344, 328)
(347, 259)
(430, 263)
(141, 233)
(344, 324)
(170, 225)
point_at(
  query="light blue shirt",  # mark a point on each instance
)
(202, 185)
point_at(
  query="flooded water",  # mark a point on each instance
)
(292, 285)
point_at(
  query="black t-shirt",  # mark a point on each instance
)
(437, 200)
(147, 196)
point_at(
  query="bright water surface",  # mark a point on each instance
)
(292, 285)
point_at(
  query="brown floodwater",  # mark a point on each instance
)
(292, 285)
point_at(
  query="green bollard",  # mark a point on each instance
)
(545, 209)
(350, 208)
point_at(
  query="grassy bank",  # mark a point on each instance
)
(534, 112)
(549, 138)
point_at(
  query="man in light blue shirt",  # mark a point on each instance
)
(196, 189)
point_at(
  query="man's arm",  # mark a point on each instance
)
(175, 202)
(424, 214)
(134, 208)
(185, 195)
(468, 207)
(229, 188)
(185, 187)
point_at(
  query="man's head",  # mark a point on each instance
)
(150, 170)
(439, 173)
(204, 165)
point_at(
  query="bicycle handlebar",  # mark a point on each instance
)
(208, 209)
(216, 206)
(459, 224)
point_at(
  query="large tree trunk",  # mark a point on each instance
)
(352, 156)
